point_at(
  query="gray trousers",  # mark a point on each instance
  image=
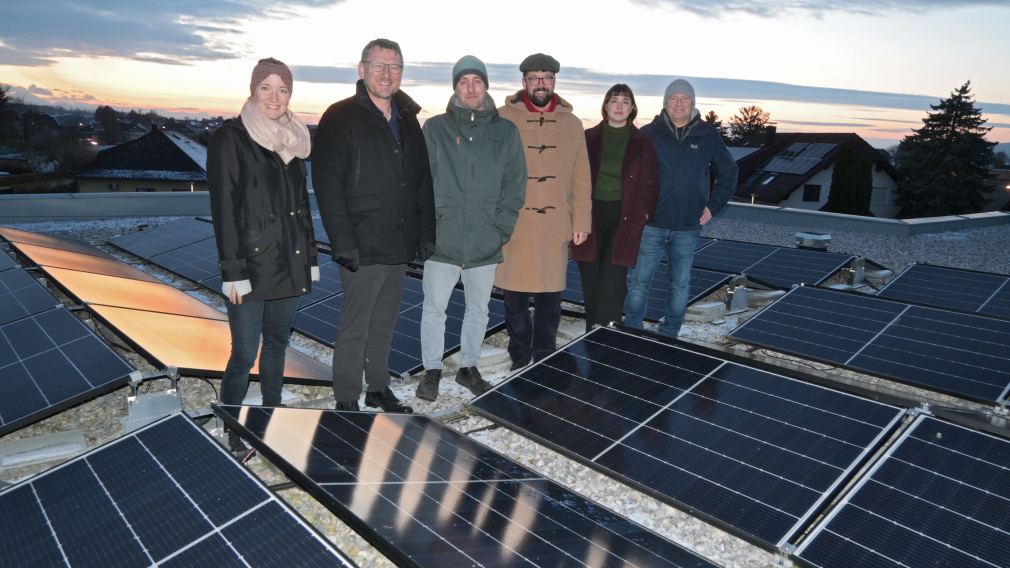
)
(439, 280)
(368, 317)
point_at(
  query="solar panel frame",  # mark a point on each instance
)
(163, 238)
(17, 236)
(887, 492)
(953, 288)
(56, 258)
(598, 454)
(763, 264)
(443, 457)
(866, 336)
(56, 388)
(200, 493)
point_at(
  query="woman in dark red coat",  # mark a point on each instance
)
(625, 190)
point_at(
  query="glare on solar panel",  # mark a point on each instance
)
(44, 256)
(426, 495)
(195, 345)
(163, 495)
(753, 451)
(17, 236)
(939, 497)
(956, 353)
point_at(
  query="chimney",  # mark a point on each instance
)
(769, 138)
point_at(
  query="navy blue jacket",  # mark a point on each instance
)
(686, 168)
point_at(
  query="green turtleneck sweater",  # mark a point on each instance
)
(608, 180)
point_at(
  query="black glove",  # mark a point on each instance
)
(348, 259)
(425, 250)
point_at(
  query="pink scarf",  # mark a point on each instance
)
(288, 135)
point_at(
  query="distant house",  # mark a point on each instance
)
(161, 160)
(794, 170)
(999, 199)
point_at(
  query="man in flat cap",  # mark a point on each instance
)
(557, 211)
(690, 155)
(479, 179)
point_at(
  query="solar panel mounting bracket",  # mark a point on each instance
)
(736, 295)
(857, 272)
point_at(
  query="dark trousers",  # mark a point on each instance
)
(532, 339)
(368, 315)
(604, 284)
(248, 321)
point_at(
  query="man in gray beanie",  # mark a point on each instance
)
(479, 177)
(689, 153)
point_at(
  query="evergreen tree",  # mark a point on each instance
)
(108, 118)
(943, 167)
(851, 185)
(749, 122)
(713, 120)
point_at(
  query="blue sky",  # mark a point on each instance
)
(868, 67)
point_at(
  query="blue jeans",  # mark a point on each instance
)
(439, 280)
(678, 247)
(249, 320)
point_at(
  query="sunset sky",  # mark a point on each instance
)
(856, 66)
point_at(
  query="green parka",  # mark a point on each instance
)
(479, 177)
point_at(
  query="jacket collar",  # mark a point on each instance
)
(485, 114)
(404, 103)
(517, 101)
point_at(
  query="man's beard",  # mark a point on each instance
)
(540, 97)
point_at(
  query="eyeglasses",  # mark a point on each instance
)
(378, 67)
(547, 80)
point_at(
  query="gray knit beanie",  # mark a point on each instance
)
(469, 64)
(679, 86)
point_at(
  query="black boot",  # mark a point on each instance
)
(470, 378)
(235, 443)
(347, 405)
(427, 389)
(387, 401)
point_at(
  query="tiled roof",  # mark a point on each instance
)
(782, 185)
(155, 156)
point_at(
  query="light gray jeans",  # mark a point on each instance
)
(439, 280)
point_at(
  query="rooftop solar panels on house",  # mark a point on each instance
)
(777, 267)
(753, 451)
(89, 288)
(968, 290)
(163, 238)
(939, 497)
(425, 495)
(164, 495)
(22, 296)
(196, 346)
(49, 362)
(961, 354)
(321, 320)
(38, 239)
(56, 258)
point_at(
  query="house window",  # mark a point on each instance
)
(811, 192)
(145, 189)
(768, 179)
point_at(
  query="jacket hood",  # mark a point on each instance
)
(403, 101)
(516, 100)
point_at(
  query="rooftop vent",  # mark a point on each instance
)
(813, 241)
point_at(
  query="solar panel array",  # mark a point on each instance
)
(6, 261)
(49, 362)
(778, 267)
(968, 290)
(753, 451)
(165, 325)
(22, 296)
(939, 497)
(19, 237)
(163, 238)
(961, 354)
(321, 320)
(426, 495)
(164, 495)
(800, 158)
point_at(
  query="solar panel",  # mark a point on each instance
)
(50, 257)
(329, 283)
(196, 346)
(196, 261)
(774, 266)
(91, 288)
(163, 238)
(49, 362)
(967, 290)
(789, 165)
(960, 354)
(425, 495)
(320, 232)
(321, 320)
(163, 495)
(704, 242)
(818, 150)
(22, 296)
(753, 451)
(6, 261)
(18, 236)
(939, 497)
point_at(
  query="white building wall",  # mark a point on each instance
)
(822, 178)
(881, 201)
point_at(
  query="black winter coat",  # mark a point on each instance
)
(374, 192)
(261, 214)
